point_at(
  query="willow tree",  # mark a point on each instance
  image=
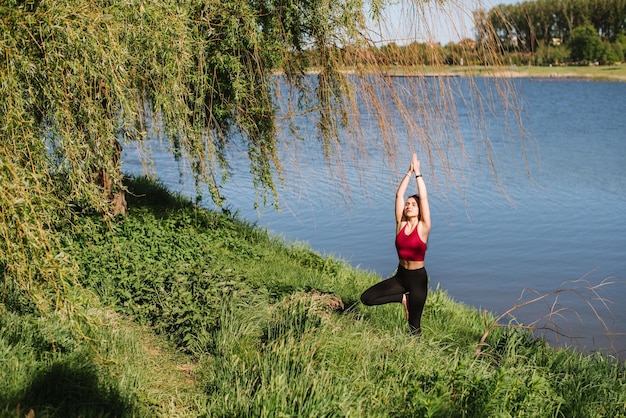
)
(80, 78)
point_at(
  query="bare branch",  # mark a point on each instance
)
(585, 290)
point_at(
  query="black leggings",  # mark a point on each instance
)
(413, 282)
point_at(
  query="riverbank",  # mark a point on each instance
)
(184, 312)
(598, 73)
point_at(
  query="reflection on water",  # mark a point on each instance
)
(566, 220)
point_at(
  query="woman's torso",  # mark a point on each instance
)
(411, 247)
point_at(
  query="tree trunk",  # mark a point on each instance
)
(117, 199)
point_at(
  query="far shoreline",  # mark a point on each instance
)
(615, 72)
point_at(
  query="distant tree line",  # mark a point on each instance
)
(540, 32)
(415, 54)
(556, 31)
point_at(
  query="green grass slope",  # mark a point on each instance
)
(195, 313)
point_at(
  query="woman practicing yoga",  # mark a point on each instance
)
(409, 285)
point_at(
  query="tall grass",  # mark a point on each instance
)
(259, 327)
(112, 369)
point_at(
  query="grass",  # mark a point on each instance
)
(190, 313)
(119, 369)
(605, 73)
(599, 73)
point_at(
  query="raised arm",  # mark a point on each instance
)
(400, 196)
(423, 194)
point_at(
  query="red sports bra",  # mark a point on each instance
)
(410, 247)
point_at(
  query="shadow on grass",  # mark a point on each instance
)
(146, 194)
(70, 388)
(143, 191)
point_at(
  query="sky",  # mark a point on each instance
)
(412, 21)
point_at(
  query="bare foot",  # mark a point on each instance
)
(406, 306)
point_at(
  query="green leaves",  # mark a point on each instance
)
(77, 78)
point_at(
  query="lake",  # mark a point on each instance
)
(557, 222)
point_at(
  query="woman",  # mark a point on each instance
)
(409, 285)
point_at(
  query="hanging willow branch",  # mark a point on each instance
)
(78, 79)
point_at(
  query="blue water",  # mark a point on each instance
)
(557, 221)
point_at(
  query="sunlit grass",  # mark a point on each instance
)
(200, 314)
(606, 72)
(111, 368)
(615, 72)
